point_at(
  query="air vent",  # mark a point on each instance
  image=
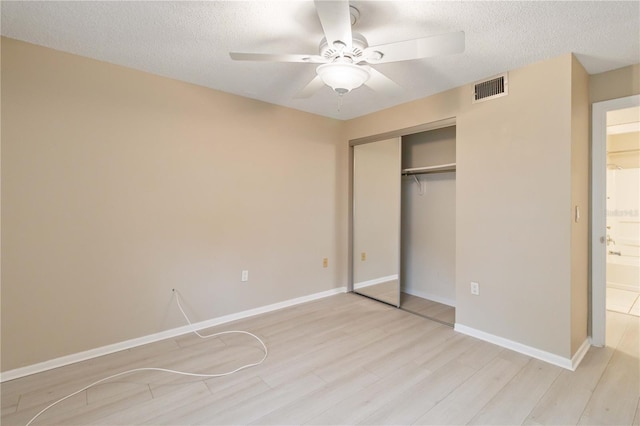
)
(493, 88)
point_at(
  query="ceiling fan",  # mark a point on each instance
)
(346, 58)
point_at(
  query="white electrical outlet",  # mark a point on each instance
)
(245, 275)
(475, 288)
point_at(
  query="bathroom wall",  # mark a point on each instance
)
(623, 211)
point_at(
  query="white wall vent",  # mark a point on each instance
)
(492, 88)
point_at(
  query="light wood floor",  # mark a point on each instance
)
(341, 360)
(428, 308)
(388, 292)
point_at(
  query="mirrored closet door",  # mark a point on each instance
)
(376, 220)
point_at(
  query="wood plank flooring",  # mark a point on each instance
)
(345, 359)
(387, 292)
(428, 308)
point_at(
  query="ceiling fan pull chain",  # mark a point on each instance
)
(340, 102)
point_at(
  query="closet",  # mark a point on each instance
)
(403, 220)
(428, 219)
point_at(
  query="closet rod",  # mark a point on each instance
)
(440, 168)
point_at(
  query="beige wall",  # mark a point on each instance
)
(614, 84)
(118, 186)
(513, 201)
(430, 148)
(624, 142)
(580, 110)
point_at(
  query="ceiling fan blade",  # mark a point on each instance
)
(383, 84)
(311, 88)
(271, 57)
(418, 48)
(336, 21)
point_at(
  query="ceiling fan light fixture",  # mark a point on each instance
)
(343, 77)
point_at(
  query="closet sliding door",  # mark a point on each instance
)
(376, 220)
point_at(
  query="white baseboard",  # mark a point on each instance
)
(430, 296)
(374, 281)
(580, 353)
(568, 363)
(127, 344)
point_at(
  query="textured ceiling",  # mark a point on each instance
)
(190, 41)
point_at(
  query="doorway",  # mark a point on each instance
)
(601, 241)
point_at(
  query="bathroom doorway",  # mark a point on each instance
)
(610, 118)
(623, 211)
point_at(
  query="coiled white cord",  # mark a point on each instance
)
(166, 370)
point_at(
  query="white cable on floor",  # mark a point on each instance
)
(183, 373)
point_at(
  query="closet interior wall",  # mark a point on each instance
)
(428, 217)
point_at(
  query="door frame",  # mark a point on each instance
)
(432, 125)
(598, 211)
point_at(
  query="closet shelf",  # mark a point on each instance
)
(440, 168)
